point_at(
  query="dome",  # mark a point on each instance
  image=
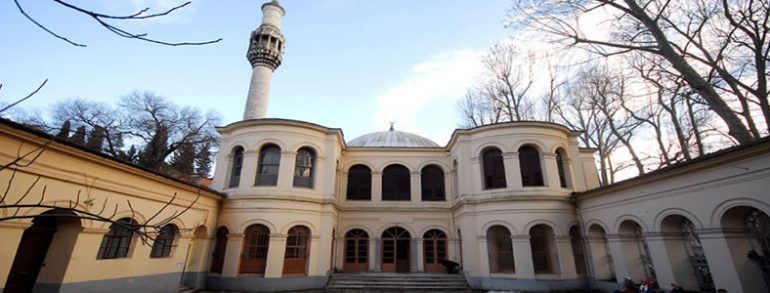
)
(393, 139)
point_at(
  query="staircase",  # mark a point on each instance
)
(396, 282)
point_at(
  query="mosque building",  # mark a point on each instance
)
(294, 205)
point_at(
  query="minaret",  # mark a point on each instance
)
(265, 54)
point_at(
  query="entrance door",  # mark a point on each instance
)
(434, 248)
(395, 250)
(30, 255)
(356, 251)
(220, 247)
(297, 248)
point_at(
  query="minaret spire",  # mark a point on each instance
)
(265, 55)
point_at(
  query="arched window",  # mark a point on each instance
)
(560, 163)
(256, 241)
(578, 250)
(396, 250)
(356, 251)
(434, 244)
(529, 162)
(303, 169)
(237, 165)
(359, 183)
(500, 249)
(269, 162)
(117, 241)
(759, 229)
(297, 248)
(540, 239)
(164, 241)
(494, 170)
(395, 183)
(220, 247)
(432, 180)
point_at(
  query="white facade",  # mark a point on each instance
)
(517, 205)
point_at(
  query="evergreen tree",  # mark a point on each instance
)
(96, 139)
(64, 131)
(184, 159)
(203, 160)
(80, 136)
(154, 153)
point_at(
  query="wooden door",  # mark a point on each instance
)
(255, 245)
(395, 250)
(30, 256)
(356, 251)
(434, 250)
(296, 257)
(402, 255)
(220, 247)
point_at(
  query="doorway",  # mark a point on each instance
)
(43, 254)
(395, 250)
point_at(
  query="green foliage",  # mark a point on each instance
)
(80, 136)
(203, 160)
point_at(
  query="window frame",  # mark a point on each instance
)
(116, 243)
(304, 167)
(264, 176)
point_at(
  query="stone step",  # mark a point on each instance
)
(396, 282)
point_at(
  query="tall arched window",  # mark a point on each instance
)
(395, 183)
(220, 247)
(117, 241)
(356, 251)
(269, 162)
(432, 180)
(297, 251)
(256, 241)
(500, 249)
(529, 163)
(560, 163)
(359, 183)
(434, 244)
(494, 169)
(578, 249)
(235, 169)
(540, 239)
(303, 169)
(164, 241)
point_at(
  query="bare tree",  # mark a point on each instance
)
(503, 92)
(593, 105)
(17, 206)
(106, 20)
(164, 127)
(718, 48)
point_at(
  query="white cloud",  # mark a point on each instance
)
(444, 78)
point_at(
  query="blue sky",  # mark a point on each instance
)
(351, 64)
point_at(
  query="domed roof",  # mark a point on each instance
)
(392, 138)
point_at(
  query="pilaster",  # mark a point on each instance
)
(286, 169)
(376, 186)
(550, 171)
(275, 255)
(512, 171)
(566, 257)
(249, 169)
(522, 255)
(232, 255)
(414, 187)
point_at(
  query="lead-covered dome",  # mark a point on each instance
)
(392, 138)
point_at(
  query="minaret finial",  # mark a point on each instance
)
(265, 55)
(391, 125)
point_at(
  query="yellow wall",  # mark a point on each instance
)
(64, 171)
